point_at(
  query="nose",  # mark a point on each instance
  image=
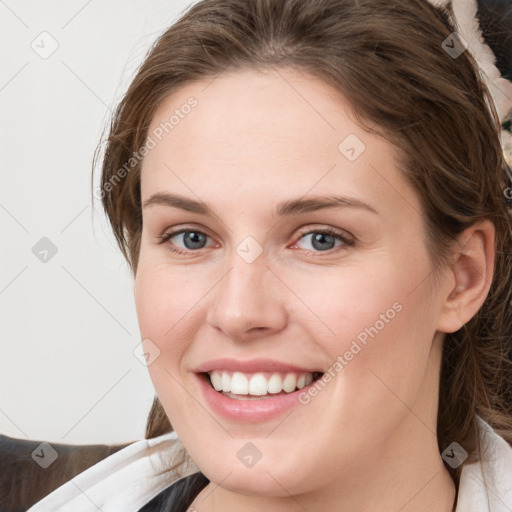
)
(249, 301)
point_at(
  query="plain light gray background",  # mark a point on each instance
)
(68, 324)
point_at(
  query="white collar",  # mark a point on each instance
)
(131, 477)
(486, 486)
(122, 482)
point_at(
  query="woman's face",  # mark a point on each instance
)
(298, 249)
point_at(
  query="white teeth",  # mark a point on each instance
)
(226, 382)
(275, 384)
(216, 379)
(290, 382)
(258, 384)
(239, 384)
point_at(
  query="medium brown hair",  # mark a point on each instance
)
(387, 58)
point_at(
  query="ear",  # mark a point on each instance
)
(469, 277)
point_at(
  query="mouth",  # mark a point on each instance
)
(260, 385)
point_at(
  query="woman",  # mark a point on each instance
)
(311, 198)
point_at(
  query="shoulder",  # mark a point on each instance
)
(124, 481)
(486, 486)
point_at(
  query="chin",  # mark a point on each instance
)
(262, 481)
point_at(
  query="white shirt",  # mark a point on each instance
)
(131, 477)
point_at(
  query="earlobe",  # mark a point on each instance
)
(470, 276)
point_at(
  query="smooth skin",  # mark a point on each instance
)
(367, 441)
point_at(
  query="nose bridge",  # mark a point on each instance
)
(246, 299)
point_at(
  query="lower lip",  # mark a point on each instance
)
(248, 411)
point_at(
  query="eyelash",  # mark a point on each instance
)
(349, 242)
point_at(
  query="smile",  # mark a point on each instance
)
(253, 391)
(254, 386)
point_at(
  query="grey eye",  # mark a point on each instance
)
(193, 239)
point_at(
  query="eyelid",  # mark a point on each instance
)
(347, 239)
(337, 232)
(172, 232)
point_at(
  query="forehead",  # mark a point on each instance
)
(255, 107)
(276, 129)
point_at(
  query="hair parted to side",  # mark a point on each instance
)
(385, 57)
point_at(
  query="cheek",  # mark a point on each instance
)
(160, 306)
(164, 299)
(371, 318)
(341, 303)
(170, 309)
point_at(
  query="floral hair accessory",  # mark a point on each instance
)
(464, 18)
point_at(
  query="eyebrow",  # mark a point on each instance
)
(286, 208)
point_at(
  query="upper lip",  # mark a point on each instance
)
(251, 366)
